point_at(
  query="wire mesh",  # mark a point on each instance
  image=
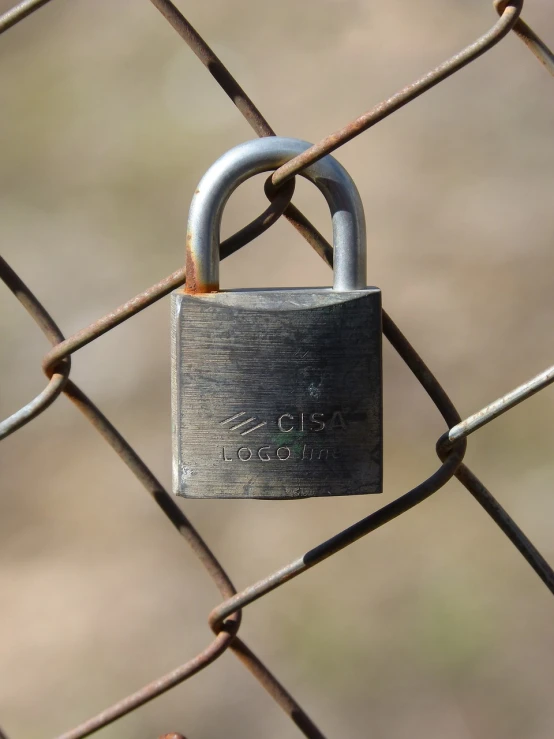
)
(225, 619)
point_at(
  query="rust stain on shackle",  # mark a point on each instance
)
(193, 285)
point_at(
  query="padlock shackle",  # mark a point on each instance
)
(262, 155)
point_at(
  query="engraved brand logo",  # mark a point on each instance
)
(281, 454)
(299, 423)
(241, 423)
(288, 422)
(310, 422)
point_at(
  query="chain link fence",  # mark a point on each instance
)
(225, 619)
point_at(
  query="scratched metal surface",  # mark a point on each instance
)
(225, 618)
(277, 394)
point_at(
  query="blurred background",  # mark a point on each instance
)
(432, 626)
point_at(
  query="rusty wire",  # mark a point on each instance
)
(225, 618)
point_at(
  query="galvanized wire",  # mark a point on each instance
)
(225, 618)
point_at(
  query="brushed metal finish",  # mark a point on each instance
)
(277, 393)
(261, 155)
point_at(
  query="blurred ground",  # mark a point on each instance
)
(432, 626)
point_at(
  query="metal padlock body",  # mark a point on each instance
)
(277, 393)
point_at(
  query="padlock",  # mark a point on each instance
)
(276, 393)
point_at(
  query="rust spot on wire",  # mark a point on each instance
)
(507, 20)
(19, 12)
(533, 42)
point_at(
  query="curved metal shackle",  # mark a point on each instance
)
(262, 155)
